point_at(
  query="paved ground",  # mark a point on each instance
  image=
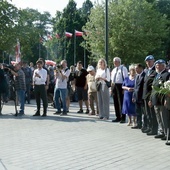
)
(75, 142)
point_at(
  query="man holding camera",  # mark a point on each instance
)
(20, 86)
(60, 91)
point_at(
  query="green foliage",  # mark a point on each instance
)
(70, 20)
(136, 29)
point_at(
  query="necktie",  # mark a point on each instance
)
(137, 79)
(158, 76)
(149, 71)
(114, 80)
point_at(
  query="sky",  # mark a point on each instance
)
(47, 5)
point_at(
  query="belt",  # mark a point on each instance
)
(39, 84)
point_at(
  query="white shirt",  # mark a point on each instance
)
(60, 82)
(43, 77)
(118, 74)
(104, 74)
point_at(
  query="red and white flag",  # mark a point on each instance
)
(49, 37)
(68, 34)
(78, 33)
(57, 36)
(17, 52)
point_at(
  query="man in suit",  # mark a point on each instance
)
(150, 122)
(137, 95)
(157, 100)
(117, 77)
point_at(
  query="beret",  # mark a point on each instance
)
(149, 57)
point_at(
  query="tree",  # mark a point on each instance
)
(8, 20)
(70, 20)
(136, 29)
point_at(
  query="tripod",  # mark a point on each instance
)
(13, 95)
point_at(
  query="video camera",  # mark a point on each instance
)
(6, 67)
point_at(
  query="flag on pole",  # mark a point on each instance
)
(57, 35)
(49, 37)
(41, 40)
(18, 52)
(68, 34)
(78, 33)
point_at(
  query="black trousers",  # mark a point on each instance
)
(0, 104)
(118, 101)
(151, 122)
(41, 93)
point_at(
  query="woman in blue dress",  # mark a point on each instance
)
(128, 86)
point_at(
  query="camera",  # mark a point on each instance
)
(59, 67)
(6, 67)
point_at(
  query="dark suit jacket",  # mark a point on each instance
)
(138, 89)
(3, 83)
(147, 87)
(158, 99)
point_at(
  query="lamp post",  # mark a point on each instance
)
(106, 30)
(4, 55)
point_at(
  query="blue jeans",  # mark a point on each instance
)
(21, 98)
(60, 94)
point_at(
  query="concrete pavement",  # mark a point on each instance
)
(75, 142)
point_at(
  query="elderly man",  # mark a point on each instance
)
(157, 100)
(150, 122)
(92, 91)
(117, 76)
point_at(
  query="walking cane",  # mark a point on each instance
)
(167, 137)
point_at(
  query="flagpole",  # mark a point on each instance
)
(65, 48)
(106, 30)
(84, 54)
(74, 47)
(39, 46)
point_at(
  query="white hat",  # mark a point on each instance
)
(90, 68)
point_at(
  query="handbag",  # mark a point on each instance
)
(98, 85)
(108, 83)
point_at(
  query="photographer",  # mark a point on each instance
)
(20, 86)
(60, 91)
(3, 85)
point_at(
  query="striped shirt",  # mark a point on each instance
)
(20, 80)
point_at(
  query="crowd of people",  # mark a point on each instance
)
(131, 89)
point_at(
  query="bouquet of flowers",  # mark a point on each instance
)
(163, 89)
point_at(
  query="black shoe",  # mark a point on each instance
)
(159, 136)
(146, 131)
(37, 114)
(80, 111)
(63, 114)
(136, 127)
(165, 138)
(143, 128)
(122, 121)
(116, 120)
(16, 114)
(167, 143)
(101, 117)
(87, 111)
(44, 115)
(151, 133)
(57, 113)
